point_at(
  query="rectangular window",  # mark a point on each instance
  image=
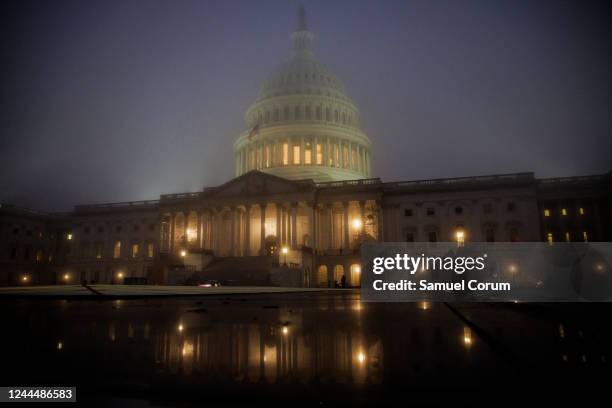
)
(568, 237)
(581, 211)
(410, 237)
(285, 154)
(319, 154)
(318, 113)
(117, 250)
(296, 154)
(547, 212)
(549, 238)
(408, 212)
(514, 235)
(150, 248)
(432, 236)
(308, 153)
(308, 112)
(564, 211)
(268, 156)
(430, 211)
(135, 250)
(585, 236)
(490, 235)
(487, 208)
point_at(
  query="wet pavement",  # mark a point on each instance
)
(320, 348)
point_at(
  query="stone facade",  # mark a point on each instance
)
(218, 233)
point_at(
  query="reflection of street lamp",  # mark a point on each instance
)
(285, 251)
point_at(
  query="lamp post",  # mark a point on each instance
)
(285, 250)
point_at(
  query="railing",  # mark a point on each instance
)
(126, 204)
(573, 179)
(29, 211)
(180, 196)
(359, 182)
(463, 180)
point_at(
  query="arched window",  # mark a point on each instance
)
(355, 279)
(322, 276)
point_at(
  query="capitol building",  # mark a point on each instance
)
(302, 203)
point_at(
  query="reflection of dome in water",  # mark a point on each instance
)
(303, 124)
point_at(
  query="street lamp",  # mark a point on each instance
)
(285, 251)
(357, 223)
(460, 235)
(66, 277)
(183, 253)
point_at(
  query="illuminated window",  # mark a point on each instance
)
(135, 250)
(285, 154)
(585, 236)
(460, 236)
(547, 212)
(567, 237)
(99, 250)
(581, 211)
(296, 154)
(258, 158)
(354, 159)
(39, 255)
(549, 238)
(564, 211)
(117, 250)
(150, 248)
(308, 153)
(319, 154)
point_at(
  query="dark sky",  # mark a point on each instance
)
(123, 100)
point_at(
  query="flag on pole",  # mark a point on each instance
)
(254, 132)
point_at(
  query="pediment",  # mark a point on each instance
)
(257, 183)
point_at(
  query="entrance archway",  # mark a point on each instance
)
(338, 273)
(355, 275)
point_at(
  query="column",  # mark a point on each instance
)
(247, 230)
(362, 218)
(294, 225)
(290, 144)
(185, 241)
(340, 155)
(278, 225)
(199, 230)
(345, 226)
(331, 226)
(379, 222)
(171, 249)
(312, 226)
(262, 229)
(232, 231)
(302, 151)
(217, 231)
(327, 153)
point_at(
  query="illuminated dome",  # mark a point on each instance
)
(303, 125)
